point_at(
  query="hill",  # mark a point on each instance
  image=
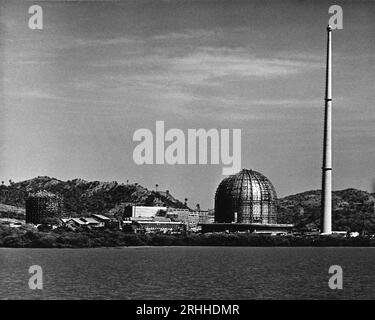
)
(353, 210)
(7, 211)
(82, 197)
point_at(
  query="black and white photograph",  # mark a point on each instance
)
(211, 152)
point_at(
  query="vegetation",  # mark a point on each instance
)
(29, 237)
(353, 210)
(12, 212)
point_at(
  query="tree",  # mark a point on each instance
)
(161, 213)
(51, 221)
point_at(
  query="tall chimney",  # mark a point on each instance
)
(326, 219)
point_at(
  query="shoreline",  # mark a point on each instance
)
(201, 246)
(106, 238)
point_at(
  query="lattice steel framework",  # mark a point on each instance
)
(42, 205)
(249, 194)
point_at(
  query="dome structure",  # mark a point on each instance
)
(245, 197)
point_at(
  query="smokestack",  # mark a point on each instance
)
(326, 219)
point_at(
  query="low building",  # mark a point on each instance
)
(178, 214)
(78, 222)
(206, 216)
(162, 226)
(92, 222)
(82, 222)
(65, 220)
(188, 217)
(193, 221)
(153, 225)
(105, 220)
(249, 227)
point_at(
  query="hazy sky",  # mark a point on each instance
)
(73, 94)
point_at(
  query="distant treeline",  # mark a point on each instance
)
(28, 238)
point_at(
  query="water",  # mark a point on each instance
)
(188, 273)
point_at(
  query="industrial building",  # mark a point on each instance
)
(88, 222)
(42, 205)
(162, 226)
(188, 217)
(246, 197)
(206, 216)
(246, 202)
(103, 219)
(153, 226)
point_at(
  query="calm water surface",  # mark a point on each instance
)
(188, 273)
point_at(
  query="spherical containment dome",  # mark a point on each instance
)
(246, 197)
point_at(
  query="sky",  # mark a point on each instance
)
(73, 94)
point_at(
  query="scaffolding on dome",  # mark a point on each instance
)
(246, 197)
(42, 205)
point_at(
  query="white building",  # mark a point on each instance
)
(146, 212)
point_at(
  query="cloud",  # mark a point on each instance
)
(30, 93)
(176, 83)
(185, 83)
(160, 71)
(118, 41)
(190, 34)
(207, 65)
(213, 63)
